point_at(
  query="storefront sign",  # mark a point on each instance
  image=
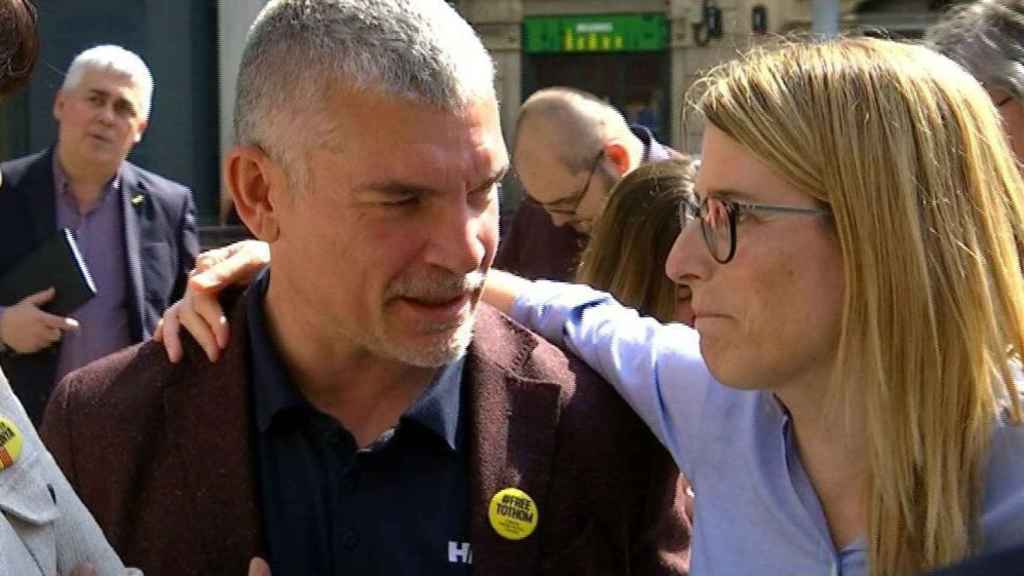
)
(595, 33)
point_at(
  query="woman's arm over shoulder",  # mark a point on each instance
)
(656, 368)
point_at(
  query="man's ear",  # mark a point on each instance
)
(58, 105)
(142, 130)
(619, 157)
(256, 183)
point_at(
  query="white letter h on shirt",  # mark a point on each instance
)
(459, 553)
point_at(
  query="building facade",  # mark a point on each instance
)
(643, 55)
(640, 55)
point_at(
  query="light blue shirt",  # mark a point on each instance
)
(756, 511)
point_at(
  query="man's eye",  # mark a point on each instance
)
(408, 200)
(485, 194)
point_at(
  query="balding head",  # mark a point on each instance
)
(572, 123)
(570, 148)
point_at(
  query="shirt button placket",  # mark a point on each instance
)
(350, 540)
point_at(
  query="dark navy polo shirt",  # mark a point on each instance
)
(398, 506)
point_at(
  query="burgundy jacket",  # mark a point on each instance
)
(536, 249)
(162, 456)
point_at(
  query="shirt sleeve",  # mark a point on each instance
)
(656, 368)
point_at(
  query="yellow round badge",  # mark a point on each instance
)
(513, 514)
(10, 443)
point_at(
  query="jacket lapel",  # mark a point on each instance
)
(513, 421)
(209, 417)
(38, 188)
(133, 199)
(24, 495)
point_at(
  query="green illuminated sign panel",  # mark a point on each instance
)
(595, 33)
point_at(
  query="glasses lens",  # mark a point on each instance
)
(716, 227)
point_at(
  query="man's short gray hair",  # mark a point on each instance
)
(297, 50)
(987, 38)
(117, 59)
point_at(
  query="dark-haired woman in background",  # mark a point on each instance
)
(628, 247)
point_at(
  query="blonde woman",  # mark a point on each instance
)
(846, 404)
(856, 296)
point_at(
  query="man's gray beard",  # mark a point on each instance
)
(442, 351)
(436, 354)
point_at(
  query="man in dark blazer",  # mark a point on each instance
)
(136, 230)
(371, 416)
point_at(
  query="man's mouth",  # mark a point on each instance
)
(439, 310)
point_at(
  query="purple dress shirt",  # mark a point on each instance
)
(103, 321)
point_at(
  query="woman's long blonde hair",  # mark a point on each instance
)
(629, 244)
(909, 153)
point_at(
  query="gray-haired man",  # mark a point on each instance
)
(369, 416)
(987, 38)
(136, 230)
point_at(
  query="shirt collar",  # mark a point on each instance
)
(653, 150)
(60, 182)
(437, 410)
(439, 407)
(272, 390)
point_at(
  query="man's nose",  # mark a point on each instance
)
(459, 243)
(106, 115)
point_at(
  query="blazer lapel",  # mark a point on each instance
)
(209, 417)
(24, 495)
(133, 199)
(38, 187)
(24, 492)
(512, 424)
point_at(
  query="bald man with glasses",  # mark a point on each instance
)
(570, 149)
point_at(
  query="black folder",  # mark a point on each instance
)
(58, 263)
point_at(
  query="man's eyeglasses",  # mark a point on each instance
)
(718, 219)
(568, 206)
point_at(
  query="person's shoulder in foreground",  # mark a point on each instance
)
(160, 453)
(44, 528)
